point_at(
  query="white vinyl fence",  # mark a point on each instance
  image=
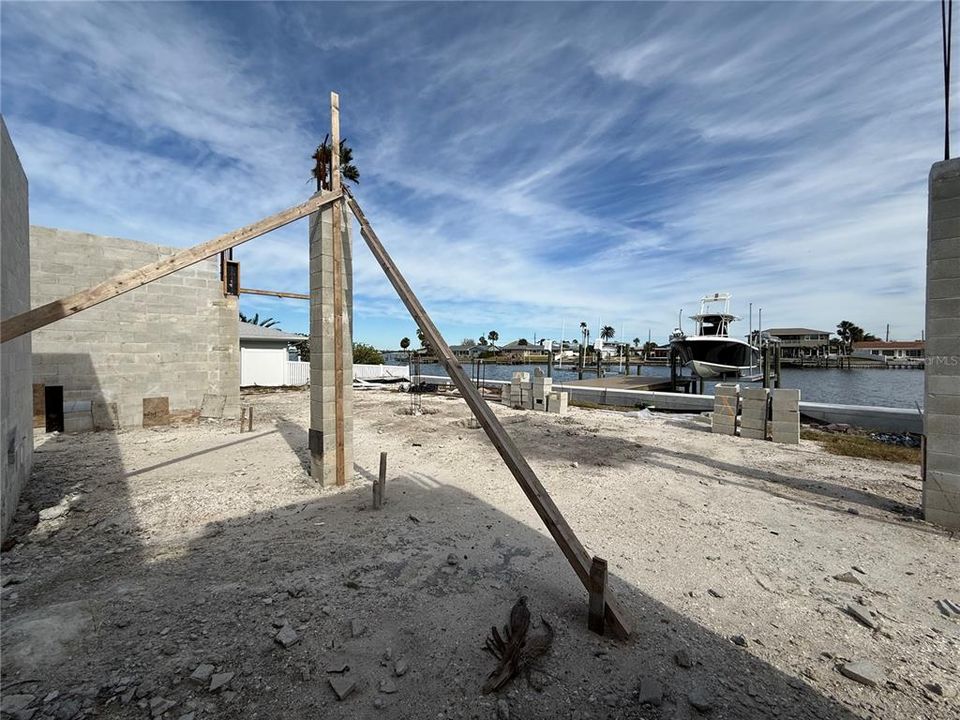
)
(297, 373)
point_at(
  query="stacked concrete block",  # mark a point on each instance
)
(785, 411)
(16, 393)
(941, 417)
(557, 402)
(541, 388)
(520, 390)
(323, 417)
(177, 337)
(726, 400)
(754, 407)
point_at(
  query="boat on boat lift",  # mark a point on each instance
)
(710, 352)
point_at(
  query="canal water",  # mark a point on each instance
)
(883, 388)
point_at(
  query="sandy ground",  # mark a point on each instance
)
(173, 548)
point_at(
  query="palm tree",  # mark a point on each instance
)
(255, 320)
(849, 333)
(493, 336)
(482, 340)
(648, 348)
(636, 342)
(422, 338)
(607, 332)
(404, 344)
(321, 168)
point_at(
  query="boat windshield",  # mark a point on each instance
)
(713, 325)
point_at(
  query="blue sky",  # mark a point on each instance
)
(525, 164)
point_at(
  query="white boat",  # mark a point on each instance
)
(710, 352)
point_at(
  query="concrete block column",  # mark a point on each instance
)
(323, 428)
(941, 487)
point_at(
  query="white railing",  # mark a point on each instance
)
(296, 373)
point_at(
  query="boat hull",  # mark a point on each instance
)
(711, 357)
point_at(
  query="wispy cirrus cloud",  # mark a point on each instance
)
(525, 163)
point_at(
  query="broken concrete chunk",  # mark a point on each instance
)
(682, 658)
(700, 699)
(848, 577)
(287, 636)
(52, 513)
(160, 705)
(388, 687)
(202, 674)
(343, 686)
(338, 665)
(220, 680)
(400, 667)
(861, 616)
(651, 692)
(863, 671)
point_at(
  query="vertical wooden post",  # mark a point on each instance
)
(382, 480)
(598, 591)
(337, 286)
(250, 420)
(243, 418)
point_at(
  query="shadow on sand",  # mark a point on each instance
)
(103, 612)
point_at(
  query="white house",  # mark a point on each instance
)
(264, 359)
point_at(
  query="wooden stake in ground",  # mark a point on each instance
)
(380, 484)
(562, 533)
(125, 282)
(598, 591)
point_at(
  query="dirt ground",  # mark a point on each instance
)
(162, 554)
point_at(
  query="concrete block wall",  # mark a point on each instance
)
(323, 455)
(754, 410)
(941, 487)
(726, 402)
(177, 337)
(16, 393)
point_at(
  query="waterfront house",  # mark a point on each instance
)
(801, 343)
(910, 351)
(469, 351)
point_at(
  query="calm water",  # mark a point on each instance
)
(884, 388)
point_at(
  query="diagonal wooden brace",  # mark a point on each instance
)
(562, 533)
(125, 282)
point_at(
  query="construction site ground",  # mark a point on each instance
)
(199, 572)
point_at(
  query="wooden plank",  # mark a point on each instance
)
(598, 591)
(337, 288)
(125, 282)
(549, 513)
(275, 293)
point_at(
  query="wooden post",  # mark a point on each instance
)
(337, 285)
(778, 368)
(250, 419)
(380, 484)
(243, 418)
(598, 591)
(538, 496)
(126, 281)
